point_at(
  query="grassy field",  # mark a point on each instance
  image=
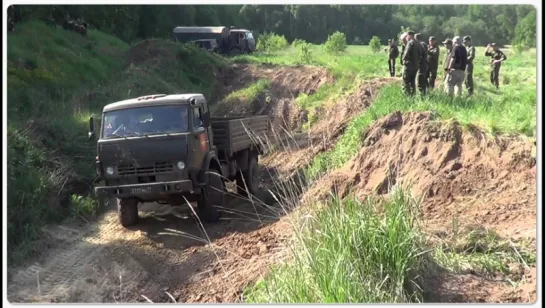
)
(511, 110)
(55, 81)
(347, 251)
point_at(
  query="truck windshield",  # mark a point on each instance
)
(145, 121)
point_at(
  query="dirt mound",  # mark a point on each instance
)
(333, 118)
(460, 172)
(285, 84)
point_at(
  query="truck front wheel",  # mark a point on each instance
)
(247, 180)
(212, 197)
(127, 211)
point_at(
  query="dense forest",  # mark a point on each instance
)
(503, 24)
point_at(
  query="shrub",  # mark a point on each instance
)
(271, 42)
(336, 43)
(375, 44)
(305, 55)
(297, 42)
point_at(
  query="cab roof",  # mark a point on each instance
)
(155, 100)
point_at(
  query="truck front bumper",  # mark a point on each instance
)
(146, 189)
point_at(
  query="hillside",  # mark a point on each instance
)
(55, 81)
(366, 195)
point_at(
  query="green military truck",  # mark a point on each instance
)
(168, 149)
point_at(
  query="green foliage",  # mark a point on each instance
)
(250, 93)
(485, 23)
(271, 42)
(375, 45)
(351, 252)
(336, 43)
(305, 53)
(297, 42)
(55, 81)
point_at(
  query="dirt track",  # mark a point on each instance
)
(167, 253)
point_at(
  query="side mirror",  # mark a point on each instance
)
(91, 127)
(206, 119)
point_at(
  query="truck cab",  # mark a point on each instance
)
(161, 148)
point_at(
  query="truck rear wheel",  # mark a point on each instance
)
(247, 181)
(127, 211)
(212, 197)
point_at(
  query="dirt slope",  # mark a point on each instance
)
(464, 176)
(168, 250)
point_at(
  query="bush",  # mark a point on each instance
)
(271, 42)
(297, 42)
(336, 43)
(375, 44)
(305, 55)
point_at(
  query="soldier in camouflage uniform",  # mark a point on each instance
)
(469, 67)
(497, 57)
(423, 67)
(393, 53)
(433, 61)
(411, 62)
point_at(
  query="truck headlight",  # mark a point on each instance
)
(180, 165)
(110, 170)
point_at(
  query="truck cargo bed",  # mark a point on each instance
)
(231, 134)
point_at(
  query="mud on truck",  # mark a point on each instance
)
(168, 149)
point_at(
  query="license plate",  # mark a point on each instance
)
(141, 190)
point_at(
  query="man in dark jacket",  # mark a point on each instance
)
(393, 53)
(456, 67)
(469, 68)
(423, 66)
(433, 61)
(411, 62)
(496, 58)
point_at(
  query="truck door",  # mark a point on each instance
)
(201, 142)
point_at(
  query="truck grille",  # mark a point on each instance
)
(149, 169)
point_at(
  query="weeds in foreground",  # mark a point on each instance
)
(351, 252)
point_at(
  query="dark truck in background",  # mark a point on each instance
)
(167, 149)
(228, 40)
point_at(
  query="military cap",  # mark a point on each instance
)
(467, 38)
(493, 44)
(389, 40)
(447, 42)
(410, 32)
(418, 36)
(432, 38)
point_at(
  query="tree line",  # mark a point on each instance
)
(502, 24)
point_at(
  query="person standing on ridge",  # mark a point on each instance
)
(423, 66)
(411, 61)
(469, 67)
(393, 53)
(497, 57)
(433, 61)
(456, 67)
(448, 45)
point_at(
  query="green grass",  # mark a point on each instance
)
(250, 93)
(372, 252)
(55, 81)
(351, 252)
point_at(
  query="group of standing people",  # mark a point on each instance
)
(420, 62)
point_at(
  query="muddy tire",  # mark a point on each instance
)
(212, 197)
(247, 181)
(127, 210)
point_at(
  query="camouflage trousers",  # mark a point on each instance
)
(409, 81)
(454, 79)
(469, 79)
(432, 76)
(392, 67)
(422, 81)
(495, 76)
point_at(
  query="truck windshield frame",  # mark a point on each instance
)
(145, 121)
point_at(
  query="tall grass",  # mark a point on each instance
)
(351, 252)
